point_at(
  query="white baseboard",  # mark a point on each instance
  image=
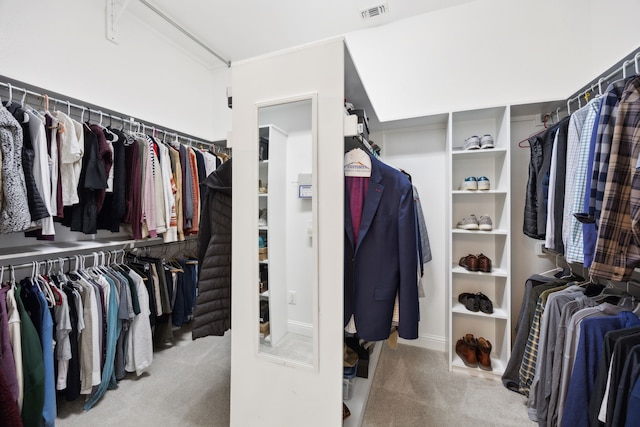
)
(430, 342)
(300, 328)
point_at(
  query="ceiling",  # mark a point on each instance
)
(241, 29)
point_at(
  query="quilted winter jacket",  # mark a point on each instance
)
(14, 212)
(212, 314)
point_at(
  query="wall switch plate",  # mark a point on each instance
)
(292, 298)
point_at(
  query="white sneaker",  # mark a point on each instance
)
(483, 183)
(469, 183)
(486, 141)
(468, 223)
(484, 223)
(471, 143)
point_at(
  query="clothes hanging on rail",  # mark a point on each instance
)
(15, 211)
(600, 194)
(102, 322)
(77, 174)
(380, 210)
(563, 367)
(212, 315)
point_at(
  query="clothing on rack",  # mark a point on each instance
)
(380, 210)
(76, 173)
(599, 186)
(212, 314)
(565, 365)
(102, 323)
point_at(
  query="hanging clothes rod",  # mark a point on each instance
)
(185, 32)
(596, 86)
(18, 92)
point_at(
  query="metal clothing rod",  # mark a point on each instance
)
(131, 122)
(596, 85)
(185, 32)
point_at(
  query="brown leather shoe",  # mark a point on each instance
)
(469, 262)
(484, 354)
(466, 349)
(484, 263)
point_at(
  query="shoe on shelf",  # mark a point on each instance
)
(484, 263)
(483, 183)
(471, 143)
(469, 183)
(469, 262)
(484, 223)
(483, 354)
(486, 141)
(469, 223)
(346, 413)
(484, 303)
(467, 349)
(470, 301)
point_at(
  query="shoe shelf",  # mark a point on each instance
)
(497, 272)
(476, 192)
(494, 164)
(496, 365)
(458, 308)
(494, 232)
(362, 387)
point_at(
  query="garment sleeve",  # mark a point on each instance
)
(407, 247)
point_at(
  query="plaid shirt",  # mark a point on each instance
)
(573, 245)
(530, 357)
(617, 251)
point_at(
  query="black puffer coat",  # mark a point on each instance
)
(213, 305)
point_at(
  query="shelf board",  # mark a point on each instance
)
(495, 231)
(495, 374)
(476, 192)
(496, 272)
(263, 162)
(264, 261)
(361, 389)
(263, 194)
(44, 250)
(487, 152)
(263, 227)
(265, 294)
(498, 313)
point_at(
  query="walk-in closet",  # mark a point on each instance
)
(328, 214)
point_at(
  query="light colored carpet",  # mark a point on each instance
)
(188, 385)
(413, 388)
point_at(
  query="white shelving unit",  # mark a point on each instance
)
(272, 176)
(494, 163)
(362, 387)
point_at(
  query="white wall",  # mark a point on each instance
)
(265, 393)
(491, 52)
(421, 152)
(61, 46)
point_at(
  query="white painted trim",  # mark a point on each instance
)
(300, 328)
(430, 342)
(286, 51)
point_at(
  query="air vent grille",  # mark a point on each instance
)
(375, 11)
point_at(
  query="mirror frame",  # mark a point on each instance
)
(313, 97)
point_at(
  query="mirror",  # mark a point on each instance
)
(287, 230)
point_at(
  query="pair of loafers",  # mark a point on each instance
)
(476, 302)
(476, 263)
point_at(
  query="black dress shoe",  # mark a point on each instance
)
(470, 301)
(485, 304)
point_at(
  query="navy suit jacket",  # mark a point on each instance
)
(384, 261)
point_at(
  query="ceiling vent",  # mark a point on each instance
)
(372, 12)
